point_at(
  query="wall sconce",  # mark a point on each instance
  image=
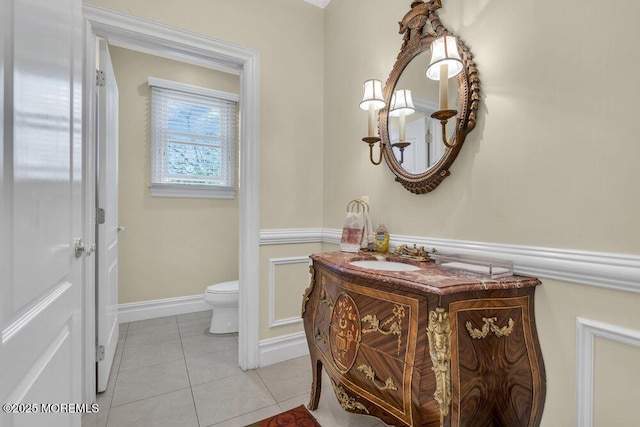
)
(372, 101)
(445, 63)
(401, 106)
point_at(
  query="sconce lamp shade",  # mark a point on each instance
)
(401, 102)
(372, 95)
(444, 51)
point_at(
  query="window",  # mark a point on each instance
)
(193, 139)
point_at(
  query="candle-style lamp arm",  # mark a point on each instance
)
(372, 140)
(444, 116)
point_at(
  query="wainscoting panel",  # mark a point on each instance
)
(273, 290)
(587, 330)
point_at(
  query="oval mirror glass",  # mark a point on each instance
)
(422, 133)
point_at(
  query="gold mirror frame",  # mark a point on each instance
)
(420, 26)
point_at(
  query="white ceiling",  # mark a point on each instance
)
(319, 3)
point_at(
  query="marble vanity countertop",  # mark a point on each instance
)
(429, 277)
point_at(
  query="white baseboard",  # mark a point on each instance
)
(276, 350)
(152, 309)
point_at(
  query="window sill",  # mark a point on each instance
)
(186, 191)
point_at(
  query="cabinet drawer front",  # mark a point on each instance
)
(495, 369)
(388, 321)
(382, 380)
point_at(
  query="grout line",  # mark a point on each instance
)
(147, 398)
(193, 398)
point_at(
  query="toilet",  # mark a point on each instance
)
(223, 297)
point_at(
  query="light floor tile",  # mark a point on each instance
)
(220, 393)
(213, 366)
(288, 379)
(294, 402)
(198, 315)
(250, 418)
(154, 380)
(98, 419)
(174, 409)
(140, 336)
(195, 327)
(150, 354)
(227, 398)
(152, 323)
(200, 344)
(330, 413)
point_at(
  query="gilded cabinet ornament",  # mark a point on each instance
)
(439, 335)
(490, 326)
(307, 292)
(394, 323)
(346, 401)
(371, 375)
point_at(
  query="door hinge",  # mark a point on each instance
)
(100, 78)
(100, 216)
(99, 353)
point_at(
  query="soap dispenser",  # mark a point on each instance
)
(382, 239)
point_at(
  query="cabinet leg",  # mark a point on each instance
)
(316, 385)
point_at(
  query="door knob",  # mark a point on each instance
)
(122, 229)
(82, 249)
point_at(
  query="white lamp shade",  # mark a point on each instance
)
(372, 95)
(401, 102)
(444, 50)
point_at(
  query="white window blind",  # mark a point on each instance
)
(193, 141)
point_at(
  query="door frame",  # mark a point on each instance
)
(158, 39)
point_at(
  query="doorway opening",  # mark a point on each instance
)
(145, 36)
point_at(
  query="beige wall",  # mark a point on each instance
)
(288, 34)
(553, 161)
(172, 246)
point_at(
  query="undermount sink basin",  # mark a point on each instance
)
(384, 265)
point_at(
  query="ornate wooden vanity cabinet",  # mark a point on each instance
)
(424, 348)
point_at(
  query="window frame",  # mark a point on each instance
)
(162, 189)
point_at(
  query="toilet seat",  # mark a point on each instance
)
(223, 288)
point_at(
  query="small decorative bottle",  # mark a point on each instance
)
(382, 239)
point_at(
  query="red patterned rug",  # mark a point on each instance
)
(296, 417)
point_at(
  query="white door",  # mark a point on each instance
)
(107, 232)
(41, 295)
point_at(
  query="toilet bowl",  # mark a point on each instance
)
(223, 297)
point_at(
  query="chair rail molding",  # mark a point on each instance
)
(612, 271)
(586, 332)
(290, 235)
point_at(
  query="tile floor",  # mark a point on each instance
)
(171, 372)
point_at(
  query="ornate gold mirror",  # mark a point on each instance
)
(424, 122)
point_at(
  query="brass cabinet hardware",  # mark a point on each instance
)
(394, 329)
(368, 372)
(490, 326)
(439, 335)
